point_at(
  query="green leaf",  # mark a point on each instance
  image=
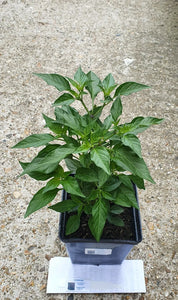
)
(72, 164)
(115, 220)
(108, 122)
(74, 83)
(51, 185)
(36, 175)
(116, 209)
(126, 197)
(111, 184)
(73, 223)
(138, 124)
(116, 108)
(85, 160)
(102, 177)
(69, 117)
(81, 77)
(63, 206)
(35, 140)
(52, 125)
(125, 179)
(108, 83)
(107, 195)
(100, 156)
(98, 219)
(86, 174)
(129, 161)
(107, 99)
(133, 142)
(128, 88)
(71, 185)
(93, 195)
(41, 176)
(55, 80)
(83, 148)
(40, 200)
(70, 140)
(87, 187)
(87, 209)
(95, 113)
(64, 99)
(138, 181)
(48, 162)
(92, 85)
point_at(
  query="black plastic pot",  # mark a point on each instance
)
(105, 252)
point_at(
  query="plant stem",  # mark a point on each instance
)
(84, 105)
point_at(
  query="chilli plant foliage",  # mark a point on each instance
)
(103, 155)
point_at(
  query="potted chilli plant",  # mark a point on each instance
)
(100, 219)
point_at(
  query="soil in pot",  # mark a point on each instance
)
(110, 232)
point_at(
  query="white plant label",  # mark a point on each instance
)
(96, 251)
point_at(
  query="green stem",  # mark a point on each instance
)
(84, 105)
(92, 105)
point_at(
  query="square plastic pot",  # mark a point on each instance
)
(105, 252)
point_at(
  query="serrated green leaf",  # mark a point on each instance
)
(64, 99)
(98, 219)
(86, 174)
(116, 108)
(63, 206)
(51, 185)
(100, 156)
(73, 223)
(129, 161)
(40, 200)
(115, 220)
(35, 140)
(133, 142)
(56, 80)
(71, 185)
(128, 88)
(92, 85)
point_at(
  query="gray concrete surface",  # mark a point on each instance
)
(135, 40)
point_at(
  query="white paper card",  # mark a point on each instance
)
(65, 277)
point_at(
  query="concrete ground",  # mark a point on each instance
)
(135, 40)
